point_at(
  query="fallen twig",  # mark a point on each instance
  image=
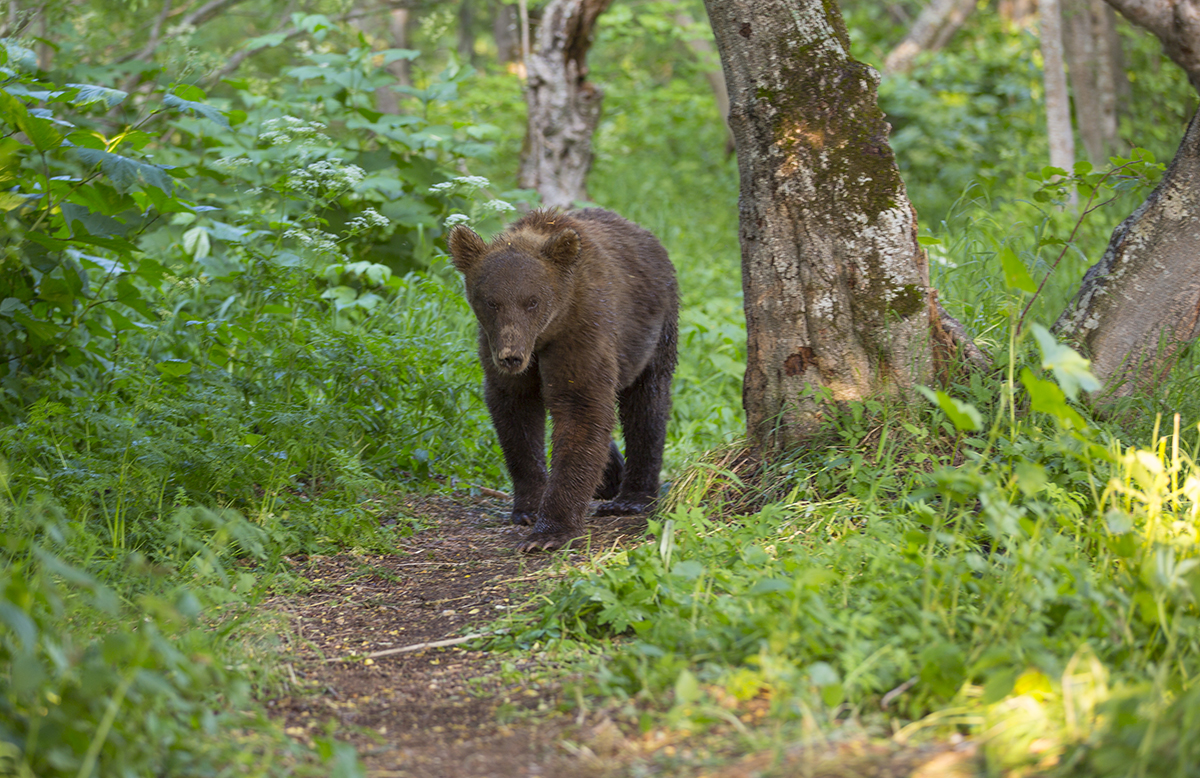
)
(416, 647)
(894, 693)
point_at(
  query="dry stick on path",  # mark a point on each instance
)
(415, 647)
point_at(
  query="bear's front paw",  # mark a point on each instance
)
(548, 540)
(524, 518)
(625, 507)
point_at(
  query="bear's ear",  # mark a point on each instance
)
(466, 247)
(562, 248)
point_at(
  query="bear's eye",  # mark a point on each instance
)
(491, 304)
(531, 305)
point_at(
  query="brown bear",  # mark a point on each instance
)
(578, 316)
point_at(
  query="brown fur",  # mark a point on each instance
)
(577, 316)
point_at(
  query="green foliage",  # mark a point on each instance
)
(217, 310)
(1000, 575)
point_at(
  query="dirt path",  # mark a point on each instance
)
(442, 711)
(452, 712)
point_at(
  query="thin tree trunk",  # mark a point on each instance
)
(1140, 304)
(466, 32)
(564, 107)
(387, 100)
(1058, 102)
(1095, 68)
(504, 31)
(703, 50)
(837, 294)
(932, 30)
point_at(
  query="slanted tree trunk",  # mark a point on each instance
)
(1096, 69)
(836, 286)
(1140, 304)
(931, 31)
(564, 107)
(1176, 24)
(1058, 103)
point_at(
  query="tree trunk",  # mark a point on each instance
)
(837, 294)
(1058, 103)
(1140, 303)
(1176, 24)
(1016, 12)
(1097, 73)
(564, 107)
(466, 32)
(931, 31)
(703, 50)
(504, 30)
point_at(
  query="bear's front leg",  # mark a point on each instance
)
(583, 422)
(519, 416)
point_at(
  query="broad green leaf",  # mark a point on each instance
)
(1070, 369)
(687, 688)
(1047, 397)
(196, 243)
(91, 93)
(999, 685)
(126, 173)
(1016, 275)
(203, 109)
(174, 368)
(964, 416)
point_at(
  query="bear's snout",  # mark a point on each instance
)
(510, 360)
(511, 364)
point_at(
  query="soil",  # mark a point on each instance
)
(461, 711)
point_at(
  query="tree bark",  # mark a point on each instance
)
(1140, 304)
(1176, 23)
(837, 294)
(466, 32)
(1096, 70)
(932, 30)
(1058, 103)
(564, 108)
(504, 30)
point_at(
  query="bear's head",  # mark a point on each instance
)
(516, 286)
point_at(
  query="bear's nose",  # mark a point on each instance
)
(512, 363)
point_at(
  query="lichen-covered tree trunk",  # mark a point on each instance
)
(564, 107)
(1140, 303)
(836, 286)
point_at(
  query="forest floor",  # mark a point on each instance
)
(455, 712)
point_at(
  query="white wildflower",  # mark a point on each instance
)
(232, 163)
(473, 182)
(456, 219)
(499, 206)
(287, 130)
(329, 174)
(366, 220)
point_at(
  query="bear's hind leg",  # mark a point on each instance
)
(610, 487)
